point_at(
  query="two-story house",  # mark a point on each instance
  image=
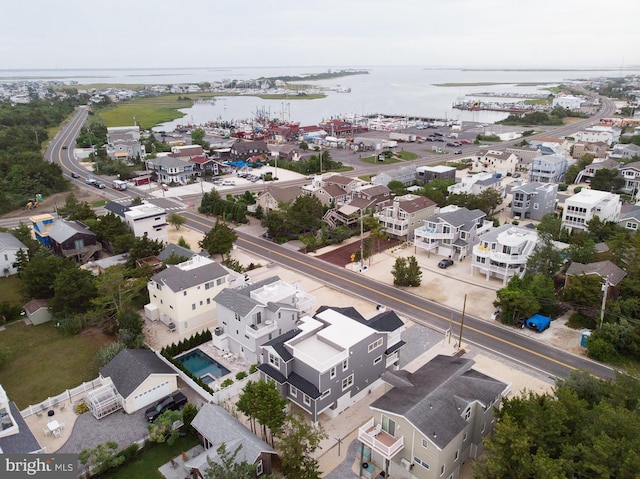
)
(273, 197)
(503, 252)
(424, 174)
(241, 150)
(626, 152)
(401, 218)
(9, 247)
(432, 421)
(596, 133)
(475, 184)
(630, 173)
(582, 207)
(142, 219)
(452, 232)
(630, 217)
(590, 170)
(254, 314)
(183, 295)
(495, 161)
(72, 239)
(405, 175)
(123, 143)
(172, 170)
(332, 360)
(533, 200)
(548, 168)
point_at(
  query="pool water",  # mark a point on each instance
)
(200, 364)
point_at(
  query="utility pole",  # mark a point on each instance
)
(605, 289)
(464, 306)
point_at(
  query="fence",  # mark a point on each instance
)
(60, 399)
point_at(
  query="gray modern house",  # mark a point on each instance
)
(548, 168)
(533, 200)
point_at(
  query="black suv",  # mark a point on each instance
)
(174, 402)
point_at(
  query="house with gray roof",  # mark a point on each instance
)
(333, 359)
(452, 232)
(548, 168)
(590, 170)
(15, 435)
(533, 200)
(72, 239)
(172, 170)
(172, 249)
(404, 215)
(424, 174)
(476, 183)
(630, 217)
(140, 378)
(9, 247)
(494, 161)
(273, 197)
(630, 173)
(629, 151)
(254, 314)
(432, 421)
(605, 270)
(183, 295)
(405, 175)
(215, 427)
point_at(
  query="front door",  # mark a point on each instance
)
(389, 426)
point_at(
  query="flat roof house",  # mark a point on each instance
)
(15, 435)
(582, 207)
(533, 200)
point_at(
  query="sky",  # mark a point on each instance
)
(249, 33)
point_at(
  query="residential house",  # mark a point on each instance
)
(405, 175)
(350, 213)
(329, 194)
(273, 197)
(548, 168)
(593, 134)
(143, 219)
(494, 161)
(172, 249)
(630, 173)
(332, 360)
(404, 215)
(590, 170)
(503, 252)
(424, 174)
(204, 164)
(285, 152)
(548, 145)
(37, 311)
(376, 194)
(432, 421)
(186, 151)
(9, 247)
(281, 133)
(172, 170)
(123, 143)
(533, 200)
(345, 183)
(215, 426)
(140, 378)
(41, 224)
(183, 295)
(525, 155)
(254, 314)
(568, 102)
(241, 150)
(607, 271)
(72, 239)
(15, 435)
(582, 207)
(630, 217)
(452, 232)
(368, 144)
(625, 152)
(596, 150)
(477, 183)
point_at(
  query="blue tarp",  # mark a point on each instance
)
(538, 322)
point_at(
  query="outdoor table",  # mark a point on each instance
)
(53, 425)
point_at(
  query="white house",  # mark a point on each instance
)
(503, 252)
(494, 161)
(9, 247)
(582, 207)
(182, 296)
(15, 435)
(476, 184)
(569, 102)
(548, 168)
(148, 219)
(593, 134)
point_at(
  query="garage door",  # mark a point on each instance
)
(152, 395)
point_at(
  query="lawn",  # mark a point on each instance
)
(147, 463)
(44, 362)
(373, 160)
(406, 155)
(11, 288)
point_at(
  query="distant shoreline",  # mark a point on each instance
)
(488, 83)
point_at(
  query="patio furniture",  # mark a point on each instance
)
(56, 433)
(54, 427)
(46, 431)
(61, 424)
(61, 408)
(50, 412)
(39, 413)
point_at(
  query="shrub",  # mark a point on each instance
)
(562, 186)
(130, 452)
(109, 352)
(600, 350)
(81, 408)
(253, 368)
(241, 375)
(226, 383)
(577, 189)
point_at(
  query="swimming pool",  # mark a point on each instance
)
(200, 364)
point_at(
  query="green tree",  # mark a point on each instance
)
(219, 240)
(304, 215)
(297, 443)
(73, 291)
(489, 200)
(397, 187)
(143, 247)
(39, 275)
(515, 301)
(545, 259)
(399, 272)
(584, 293)
(102, 457)
(164, 428)
(116, 291)
(176, 220)
(583, 253)
(414, 274)
(229, 466)
(261, 401)
(606, 179)
(197, 138)
(275, 222)
(76, 210)
(551, 225)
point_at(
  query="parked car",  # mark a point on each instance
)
(445, 263)
(496, 314)
(174, 402)
(458, 152)
(517, 175)
(228, 183)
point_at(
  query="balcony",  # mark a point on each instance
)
(378, 440)
(259, 330)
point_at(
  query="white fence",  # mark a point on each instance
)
(61, 399)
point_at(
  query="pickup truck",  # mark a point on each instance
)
(174, 402)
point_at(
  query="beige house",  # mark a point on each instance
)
(431, 422)
(405, 214)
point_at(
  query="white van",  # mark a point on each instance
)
(228, 183)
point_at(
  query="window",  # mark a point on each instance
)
(442, 470)
(259, 468)
(467, 414)
(275, 360)
(464, 438)
(376, 344)
(219, 281)
(345, 364)
(184, 293)
(208, 300)
(237, 317)
(306, 400)
(332, 372)
(425, 443)
(293, 390)
(325, 394)
(208, 285)
(377, 360)
(631, 226)
(347, 382)
(417, 460)
(193, 306)
(457, 455)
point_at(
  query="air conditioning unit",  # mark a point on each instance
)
(218, 331)
(405, 463)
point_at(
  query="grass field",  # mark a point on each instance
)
(11, 288)
(147, 463)
(406, 155)
(44, 362)
(538, 101)
(373, 160)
